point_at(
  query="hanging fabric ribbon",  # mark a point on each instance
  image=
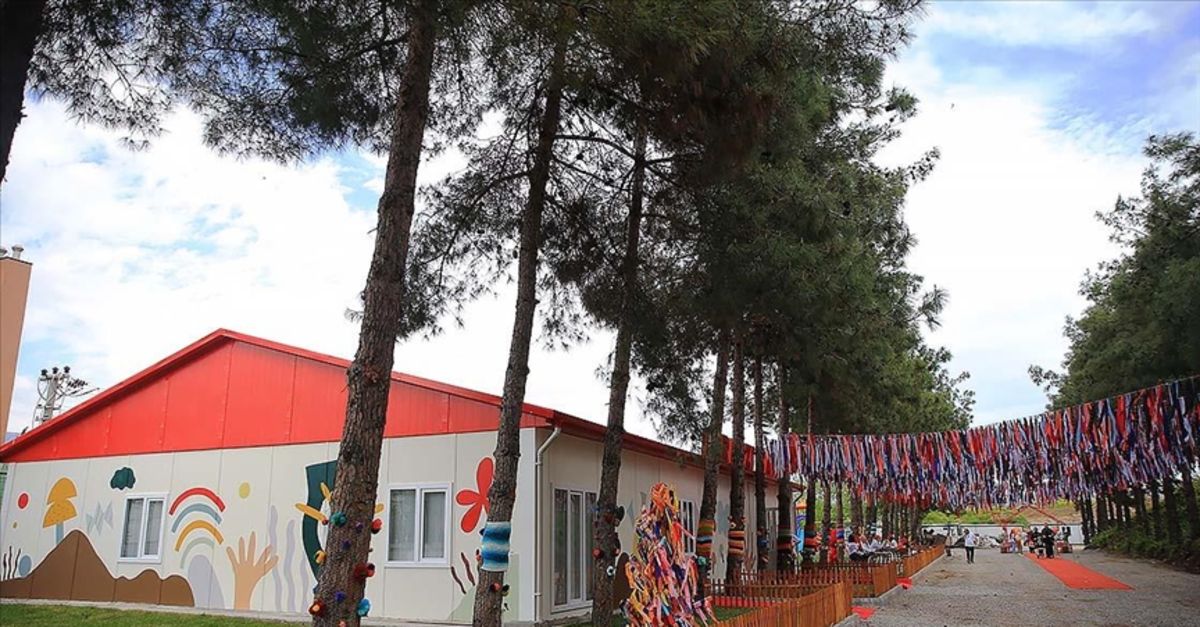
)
(1101, 446)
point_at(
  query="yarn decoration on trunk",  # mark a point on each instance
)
(663, 579)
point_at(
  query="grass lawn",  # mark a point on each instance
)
(56, 615)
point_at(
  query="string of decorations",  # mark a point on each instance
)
(663, 578)
(1097, 447)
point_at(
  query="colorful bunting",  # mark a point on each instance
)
(1111, 444)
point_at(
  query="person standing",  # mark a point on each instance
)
(969, 545)
(1048, 541)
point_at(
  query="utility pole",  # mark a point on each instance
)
(54, 387)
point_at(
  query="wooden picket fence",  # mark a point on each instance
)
(796, 605)
(866, 580)
(912, 564)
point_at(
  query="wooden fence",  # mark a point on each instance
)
(866, 580)
(911, 564)
(820, 607)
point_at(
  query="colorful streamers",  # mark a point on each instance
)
(1098, 447)
(663, 579)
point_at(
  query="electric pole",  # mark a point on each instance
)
(54, 387)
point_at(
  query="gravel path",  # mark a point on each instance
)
(1002, 590)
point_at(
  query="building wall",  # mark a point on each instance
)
(249, 497)
(14, 288)
(574, 463)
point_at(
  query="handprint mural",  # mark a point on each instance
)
(249, 569)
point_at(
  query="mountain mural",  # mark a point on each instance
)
(73, 571)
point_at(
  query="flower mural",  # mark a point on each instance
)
(476, 501)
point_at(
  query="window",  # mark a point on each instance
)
(418, 525)
(574, 520)
(687, 515)
(141, 533)
(772, 533)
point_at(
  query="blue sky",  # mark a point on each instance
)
(1039, 110)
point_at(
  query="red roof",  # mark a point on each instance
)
(231, 390)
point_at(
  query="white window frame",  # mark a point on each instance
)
(580, 561)
(689, 542)
(419, 527)
(145, 497)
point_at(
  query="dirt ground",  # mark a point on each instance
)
(1006, 589)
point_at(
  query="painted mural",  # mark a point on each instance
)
(476, 501)
(73, 571)
(59, 507)
(197, 520)
(319, 479)
(248, 569)
(228, 541)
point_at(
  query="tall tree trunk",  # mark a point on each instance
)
(610, 469)
(872, 513)
(1188, 489)
(807, 552)
(1174, 531)
(826, 520)
(785, 553)
(737, 474)
(810, 502)
(20, 26)
(1085, 517)
(762, 542)
(1156, 510)
(712, 457)
(503, 492)
(1101, 512)
(856, 510)
(369, 377)
(841, 506)
(1139, 505)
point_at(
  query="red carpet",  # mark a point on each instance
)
(1077, 576)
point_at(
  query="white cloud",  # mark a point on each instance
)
(1006, 221)
(1049, 24)
(138, 254)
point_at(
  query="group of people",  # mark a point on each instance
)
(860, 546)
(1046, 540)
(1043, 542)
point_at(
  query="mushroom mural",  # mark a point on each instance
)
(59, 508)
